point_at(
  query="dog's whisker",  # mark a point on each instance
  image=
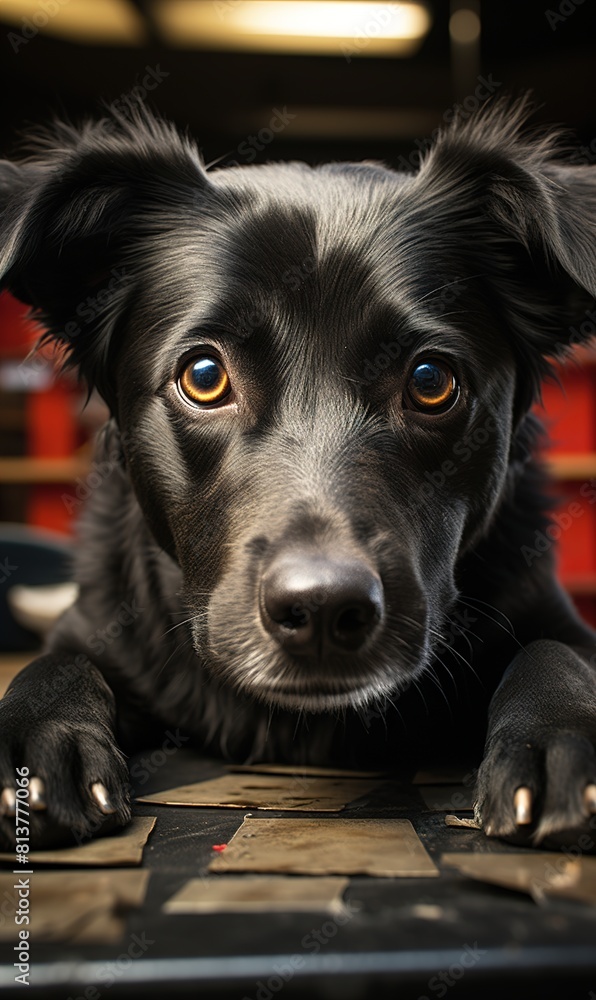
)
(458, 632)
(421, 693)
(464, 630)
(178, 625)
(430, 672)
(475, 600)
(456, 652)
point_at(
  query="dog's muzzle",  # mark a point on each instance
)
(313, 605)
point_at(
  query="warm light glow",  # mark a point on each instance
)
(330, 28)
(464, 26)
(114, 22)
(332, 19)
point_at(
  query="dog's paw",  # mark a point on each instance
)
(59, 783)
(541, 791)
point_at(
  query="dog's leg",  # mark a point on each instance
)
(57, 727)
(538, 778)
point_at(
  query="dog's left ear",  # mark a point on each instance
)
(76, 219)
(526, 219)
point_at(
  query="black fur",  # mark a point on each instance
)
(318, 287)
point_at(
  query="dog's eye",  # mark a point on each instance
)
(432, 386)
(205, 381)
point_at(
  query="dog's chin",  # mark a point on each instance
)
(319, 700)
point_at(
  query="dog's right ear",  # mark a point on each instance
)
(72, 223)
(525, 222)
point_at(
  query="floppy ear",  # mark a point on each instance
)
(528, 221)
(72, 219)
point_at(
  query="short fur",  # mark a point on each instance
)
(319, 287)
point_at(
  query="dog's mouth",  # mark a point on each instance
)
(299, 684)
(321, 697)
(322, 632)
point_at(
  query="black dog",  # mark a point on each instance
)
(319, 465)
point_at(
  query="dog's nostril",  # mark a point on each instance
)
(355, 619)
(281, 609)
(311, 604)
(291, 620)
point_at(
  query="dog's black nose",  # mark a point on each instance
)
(312, 604)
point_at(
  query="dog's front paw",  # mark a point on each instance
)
(539, 791)
(60, 783)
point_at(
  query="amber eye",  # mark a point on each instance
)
(205, 381)
(432, 386)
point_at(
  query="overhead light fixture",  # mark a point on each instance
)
(102, 22)
(334, 27)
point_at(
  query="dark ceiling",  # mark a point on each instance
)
(225, 97)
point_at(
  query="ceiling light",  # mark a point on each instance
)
(334, 27)
(102, 22)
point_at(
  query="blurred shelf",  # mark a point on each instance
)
(572, 466)
(43, 470)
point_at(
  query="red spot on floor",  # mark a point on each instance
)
(219, 847)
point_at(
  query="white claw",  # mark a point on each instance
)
(522, 803)
(102, 798)
(8, 802)
(37, 795)
(590, 798)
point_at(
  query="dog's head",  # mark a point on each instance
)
(320, 374)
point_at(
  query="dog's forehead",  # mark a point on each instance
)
(301, 215)
(290, 233)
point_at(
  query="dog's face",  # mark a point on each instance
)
(290, 422)
(318, 376)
